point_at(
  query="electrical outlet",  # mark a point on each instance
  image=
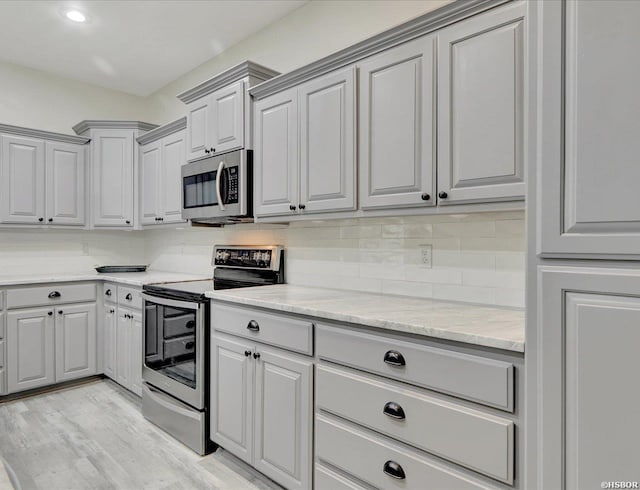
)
(425, 255)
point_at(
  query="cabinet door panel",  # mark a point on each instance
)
(588, 151)
(232, 380)
(327, 142)
(76, 331)
(283, 443)
(172, 161)
(22, 180)
(150, 179)
(480, 100)
(276, 154)
(198, 127)
(112, 162)
(123, 349)
(136, 353)
(65, 170)
(110, 326)
(396, 126)
(227, 118)
(30, 349)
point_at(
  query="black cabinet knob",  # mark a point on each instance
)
(60, 312)
(50, 220)
(247, 353)
(206, 151)
(128, 222)
(425, 197)
(54, 294)
(394, 358)
(393, 410)
(40, 220)
(213, 150)
(256, 355)
(303, 206)
(292, 207)
(128, 297)
(107, 292)
(112, 310)
(394, 470)
(50, 313)
(253, 326)
(443, 195)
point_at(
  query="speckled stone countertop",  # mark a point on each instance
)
(129, 278)
(489, 326)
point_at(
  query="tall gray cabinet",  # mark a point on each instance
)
(583, 317)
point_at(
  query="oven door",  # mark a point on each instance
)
(174, 348)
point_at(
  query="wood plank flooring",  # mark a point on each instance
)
(94, 436)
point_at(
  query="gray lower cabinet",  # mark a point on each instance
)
(481, 109)
(397, 126)
(262, 409)
(588, 428)
(76, 341)
(586, 111)
(3, 356)
(109, 326)
(128, 355)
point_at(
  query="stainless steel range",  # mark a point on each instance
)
(176, 334)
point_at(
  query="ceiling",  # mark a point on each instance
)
(133, 46)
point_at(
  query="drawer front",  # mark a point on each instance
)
(481, 380)
(51, 295)
(279, 330)
(130, 297)
(326, 479)
(366, 456)
(1, 353)
(480, 441)
(110, 292)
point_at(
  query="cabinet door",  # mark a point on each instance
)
(171, 181)
(110, 326)
(589, 334)
(151, 183)
(76, 332)
(284, 417)
(588, 121)
(136, 353)
(198, 128)
(276, 154)
(480, 108)
(232, 381)
(65, 183)
(22, 180)
(397, 146)
(30, 349)
(226, 109)
(112, 167)
(327, 143)
(123, 349)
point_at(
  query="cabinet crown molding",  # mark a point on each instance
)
(45, 135)
(420, 26)
(162, 131)
(233, 74)
(84, 126)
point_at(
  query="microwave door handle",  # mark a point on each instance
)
(218, 191)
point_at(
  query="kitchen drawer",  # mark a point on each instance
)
(279, 330)
(110, 292)
(130, 297)
(326, 479)
(482, 442)
(1, 353)
(52, 294)
(366, 456)
(482, 380)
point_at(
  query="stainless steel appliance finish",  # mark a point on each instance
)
(218, 189)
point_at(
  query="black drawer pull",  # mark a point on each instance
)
(393, 410)
(128, 297)
(54, 294)
(253, 326)
(247, 353)
(394, 358)
(394, 470)
(191, 324)
(256, 355)
(190, 344)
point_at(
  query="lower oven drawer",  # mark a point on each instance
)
(176, 326)
(179, 346)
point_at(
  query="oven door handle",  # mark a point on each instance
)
(218, 189)
(171, 302)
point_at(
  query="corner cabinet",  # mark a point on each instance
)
(481, 108)
(397, 126)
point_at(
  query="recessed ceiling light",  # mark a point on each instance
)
(75, 16)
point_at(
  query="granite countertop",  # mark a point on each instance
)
(128, 278)
(491, 326)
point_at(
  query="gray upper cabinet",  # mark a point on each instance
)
(327, 143)
(22, 180)
(396, 145)
(480, 108)
(276, 154)
(150, 182)
(587, 114)
(65, 183)
(198, 128)
(226, 110)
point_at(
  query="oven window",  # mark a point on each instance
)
(200, 190)
(170, 342)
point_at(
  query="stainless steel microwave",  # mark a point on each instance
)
(218, 189)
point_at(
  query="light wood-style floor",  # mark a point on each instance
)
(93, 436)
